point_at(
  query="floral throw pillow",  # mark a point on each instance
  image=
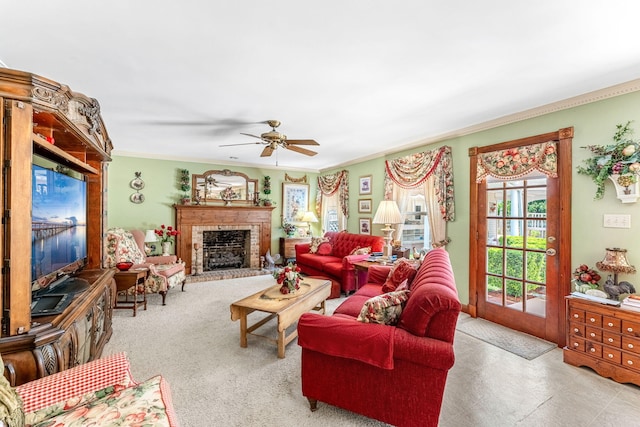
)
(315, 243)
(385, 309)
(402, 270)
(361, 251)
(143, 404)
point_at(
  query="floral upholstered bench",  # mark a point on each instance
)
(101, 392)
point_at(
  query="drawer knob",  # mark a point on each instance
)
(610, 339)
(575, 344)
(610, 324)
(575, 316)
(592, 350)
(629, 362)
(630, 345)
(629, 329)
(592, 334)
(576, 330)
(610, 356)
(592, 320)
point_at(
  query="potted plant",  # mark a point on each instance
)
(266, 189)
(184, 185)
(619, 161)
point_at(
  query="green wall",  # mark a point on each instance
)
(162, 191)
(594, 124)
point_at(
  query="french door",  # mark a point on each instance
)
(520, 243)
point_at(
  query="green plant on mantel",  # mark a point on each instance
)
(620, 158)
(184, 185)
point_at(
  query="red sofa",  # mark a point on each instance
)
(395, 374)
(338, 264)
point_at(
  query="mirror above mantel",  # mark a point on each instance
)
(224, 186)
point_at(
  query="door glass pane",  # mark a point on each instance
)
(536, 303)
(515, 232)
(515, 203)
(495, 232)
(494, 290)
(494, 261)
(494, 203)
(514, 294)
(536, 267)
(514, 264)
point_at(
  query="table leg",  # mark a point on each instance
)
(243, 329)
(281, 344)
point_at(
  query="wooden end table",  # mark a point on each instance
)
(287, 310)
(125, 280)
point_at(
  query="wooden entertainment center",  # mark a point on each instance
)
(40, 116)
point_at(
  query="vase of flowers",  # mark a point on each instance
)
(288, 277)
(167, 235)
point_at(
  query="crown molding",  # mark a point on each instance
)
(565, 104)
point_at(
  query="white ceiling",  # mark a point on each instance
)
(359, 77)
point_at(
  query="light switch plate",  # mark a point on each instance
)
(617, 221)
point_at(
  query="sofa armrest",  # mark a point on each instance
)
(75, 382)
(161, 259)
(301, 248)
(424, 351)
(344, 336)
(378, 273)
(349, 260)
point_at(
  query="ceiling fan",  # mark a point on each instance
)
(273, 139)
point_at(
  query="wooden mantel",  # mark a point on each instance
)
(188, 216)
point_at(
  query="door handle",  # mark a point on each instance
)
(550, 252)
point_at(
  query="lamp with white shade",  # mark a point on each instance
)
(309, 217)
(150, 237)
(388, 213)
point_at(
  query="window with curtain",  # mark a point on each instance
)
(422, 179)
(332, 201)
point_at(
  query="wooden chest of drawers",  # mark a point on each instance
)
(604, 338)
(288, 246)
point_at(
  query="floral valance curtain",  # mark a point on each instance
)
(328, 185)
(517, 162)
(413, 170)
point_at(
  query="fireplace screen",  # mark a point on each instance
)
(225, 249)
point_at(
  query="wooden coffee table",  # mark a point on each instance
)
(287, 309)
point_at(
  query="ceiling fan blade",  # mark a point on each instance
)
(243, 143)
(302, 142)
(268, 150)
(248, 134)
(300, 150)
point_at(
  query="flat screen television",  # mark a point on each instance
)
(59, 224)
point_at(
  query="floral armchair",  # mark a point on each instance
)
(165, 272)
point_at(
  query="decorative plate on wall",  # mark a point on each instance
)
(137, 197)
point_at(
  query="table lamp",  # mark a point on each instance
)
(388, 213)
(309, 217)
(150, 237)
(615, 261)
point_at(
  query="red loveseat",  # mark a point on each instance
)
(395, 374)
(338, 264)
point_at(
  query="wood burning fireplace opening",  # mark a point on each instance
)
(225, 249)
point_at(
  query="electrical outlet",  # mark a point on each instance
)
(617, 221)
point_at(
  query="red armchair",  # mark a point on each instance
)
(395, 374)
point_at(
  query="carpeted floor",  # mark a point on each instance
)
(523, 345)
(194, 344)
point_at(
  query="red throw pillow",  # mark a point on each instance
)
(324, 248)
(402, 270)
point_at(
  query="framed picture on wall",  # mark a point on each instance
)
(364, 206)
(365, 184)
(365, 225)
(295, 201)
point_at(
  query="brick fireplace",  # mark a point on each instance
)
(194, 220)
